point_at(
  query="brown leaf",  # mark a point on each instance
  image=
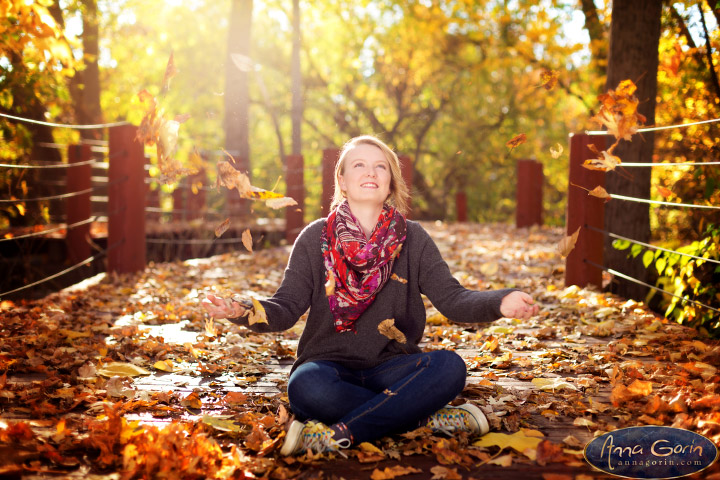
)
(281, 202)
(549, 79)
(567, 244)
(439, 473)
(604, 163)
(397, 279)
(192, 401)
(618, 111)
(518, 139)
(387, 327)
(258, 314)
(665, 192)
(392, 472)
(222, 228)
(599, 192)
(230, 177)
(170, 72)
(247, 240)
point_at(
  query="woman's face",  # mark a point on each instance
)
(366, 175)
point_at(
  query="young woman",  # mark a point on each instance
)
(361, 272)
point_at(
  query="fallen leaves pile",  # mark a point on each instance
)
(127, 378)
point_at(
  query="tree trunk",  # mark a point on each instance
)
(85, 85)
(634, 38)
(296, 78)
(598, 37)
(237, 95)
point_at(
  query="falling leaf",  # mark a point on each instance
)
(257, 315)
(222, 228)
(517, 140)
(276, 203)
(330, 285)
(388, 473)
(120, 369)
(605, 163)
(164, 365)
(556, 152)
(599, 192)
(247, 240)
(549, 79)
(618, 111)
(489, 269)
(170, 72)
(567, 244)
(387, 327)
(397, 279)
(230, 177)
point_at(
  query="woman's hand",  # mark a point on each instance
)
(518, 305)
(218, 307)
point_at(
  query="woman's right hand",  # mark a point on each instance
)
(218, 307)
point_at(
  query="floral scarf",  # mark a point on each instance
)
(357, 268)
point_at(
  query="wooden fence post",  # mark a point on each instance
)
(296, 189)
(461, 206)
(529, 194)
(406, 167)
(78, 208)
(330, 157)
(582, 210)
(126, 201)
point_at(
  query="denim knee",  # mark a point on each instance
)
(453, 368)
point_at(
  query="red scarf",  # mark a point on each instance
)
(357, 268)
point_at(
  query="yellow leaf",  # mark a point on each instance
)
(221, 423)
(520, 441)
(549, 79)
(583, 422)
(369, 447)
(164, 365)
(258, 314)
(387, 327)
(71, 334)
(489, 269)
(247, 240)
(567, 244)
(556, 152)
(120, 369)
(553, 384)
(640, 388)
(503, 461)
(604, 163)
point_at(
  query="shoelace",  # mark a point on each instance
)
(319, 438)
(449, 422)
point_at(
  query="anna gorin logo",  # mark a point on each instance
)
(651, 452)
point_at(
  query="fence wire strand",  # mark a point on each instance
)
(62, 125)
(194, 241)
(52, 230)
(56, 165)
(656, 202)
(620, 237)
(640, 282)
(654, 129)
(64, 272)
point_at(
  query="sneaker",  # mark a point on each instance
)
(465, 418)
(313, 436)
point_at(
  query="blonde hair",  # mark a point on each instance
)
(399, 192)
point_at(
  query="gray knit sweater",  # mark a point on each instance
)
(419, 264)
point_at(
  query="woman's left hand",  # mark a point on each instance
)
(518, 305)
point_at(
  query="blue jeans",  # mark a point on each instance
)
(396, 396)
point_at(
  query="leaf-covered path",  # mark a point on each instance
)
(126, 378)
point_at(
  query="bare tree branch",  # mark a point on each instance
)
(708, 52)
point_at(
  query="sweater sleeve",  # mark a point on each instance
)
(451, 299)
(293, 297)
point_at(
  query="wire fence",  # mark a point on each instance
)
(661, 204)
